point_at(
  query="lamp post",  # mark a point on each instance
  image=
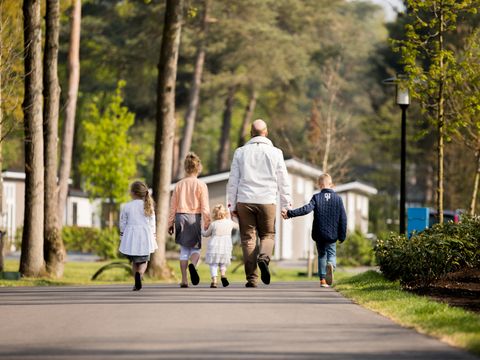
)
(402, 99)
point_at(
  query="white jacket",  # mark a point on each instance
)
(258, 175)
(137, 230)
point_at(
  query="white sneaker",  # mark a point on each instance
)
(323, 284)
(329, 276)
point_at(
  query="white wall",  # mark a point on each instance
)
(356, 206)
(9, 221)
(87, 212)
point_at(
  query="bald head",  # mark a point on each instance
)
(259, 128)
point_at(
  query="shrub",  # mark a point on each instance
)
(102, 242)
(431, 254)
(108, 244)
(356, 250)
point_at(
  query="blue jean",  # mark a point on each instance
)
(327, 253)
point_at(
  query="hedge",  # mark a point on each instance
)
(102, 242)
(431, 254)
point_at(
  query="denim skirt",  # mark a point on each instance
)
(188, 230)
(138, 258)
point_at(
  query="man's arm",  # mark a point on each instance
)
(283, 183)
(232, 186)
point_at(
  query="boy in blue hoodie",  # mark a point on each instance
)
(329, 225)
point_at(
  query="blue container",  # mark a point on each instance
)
(417, 219)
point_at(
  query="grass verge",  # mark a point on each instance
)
(456, 326)
(80, 273)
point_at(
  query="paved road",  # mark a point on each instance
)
(282, 321)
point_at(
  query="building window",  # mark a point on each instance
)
(74, 213)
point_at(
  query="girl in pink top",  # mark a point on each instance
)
(188, 208)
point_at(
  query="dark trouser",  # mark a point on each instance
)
(256, 219)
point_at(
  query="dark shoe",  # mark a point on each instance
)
(250, 285)
(225, 282)
(138, 281)
(265, 272)
(183, 285)
(194, 278)
(213, 285)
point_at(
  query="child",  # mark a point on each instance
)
(329, 225)
(189, 206)
(137, 230)
(219, 249)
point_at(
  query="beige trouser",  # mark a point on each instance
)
(256, 219)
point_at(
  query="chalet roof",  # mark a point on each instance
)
(78, 193)
(18, 175)
(356, 186)
(13, 175)
(304, 168)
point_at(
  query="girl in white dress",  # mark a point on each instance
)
(219, 248)
(137, 230)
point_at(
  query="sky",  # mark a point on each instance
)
(391, 7)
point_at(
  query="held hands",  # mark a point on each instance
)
(170, 230)
(284, 214)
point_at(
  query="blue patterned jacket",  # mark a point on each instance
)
(329, 217)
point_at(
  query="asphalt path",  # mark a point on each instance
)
(280, 321)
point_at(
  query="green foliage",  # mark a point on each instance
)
(102, 242)
(431, 254)
(428, 60)
(356, 250)
(108, 159)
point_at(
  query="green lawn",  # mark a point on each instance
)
(456, 326)
(80, 273)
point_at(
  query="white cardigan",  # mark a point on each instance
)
(137, 230)
(258, 174)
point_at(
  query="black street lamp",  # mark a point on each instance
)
(402, 99)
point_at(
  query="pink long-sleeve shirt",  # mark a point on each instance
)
(190, 196)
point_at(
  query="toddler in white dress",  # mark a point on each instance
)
(219, 248)
(137, 230)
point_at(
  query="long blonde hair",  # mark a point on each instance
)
(140, 190)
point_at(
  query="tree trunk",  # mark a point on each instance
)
(473, 201)
(441, 122)
(176, 162)
(247, 118)
(53, 247)
(329, 122)
(31, 260)
(165, 134)
(224, 150)
(194, 95)
(1, 250)
(70, 107)
(332, 90)
(1, 135)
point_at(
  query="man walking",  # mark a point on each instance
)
(257, 176)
